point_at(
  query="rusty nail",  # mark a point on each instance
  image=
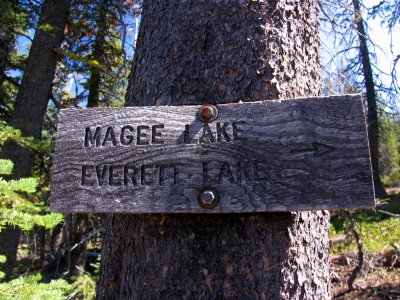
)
(208, 198)
(207, 113)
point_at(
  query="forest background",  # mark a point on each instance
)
(63, 54)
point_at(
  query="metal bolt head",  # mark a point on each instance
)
(207, 113)
(208, 198)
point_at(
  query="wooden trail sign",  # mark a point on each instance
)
(292, 155)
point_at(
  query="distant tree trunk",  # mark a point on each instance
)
(77, 256)
(372, 109)
(98, 54)
(56, 262)
(31, 102)
(7, 38)
(9, 236)
(80, 222)
(193, 52)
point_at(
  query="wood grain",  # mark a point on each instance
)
(292, 155)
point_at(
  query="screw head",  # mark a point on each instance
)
(207, 113)
(208, 198)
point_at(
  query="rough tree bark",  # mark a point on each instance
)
(31, 102)
(372, 109)
(192, 52)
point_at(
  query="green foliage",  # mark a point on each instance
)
(6, 167)
(3, 259)
(15, 207)
(97, 40)
(389, 151)
(18, 60)
(8, 132)
(378, 231)
(13, 22)
(83, 287)
(77, 57)
(27, 185)
(10, 191)
(20, 199)
(47, 27)
(27, 221)
(31, 287)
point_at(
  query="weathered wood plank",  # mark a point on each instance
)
(292, 155)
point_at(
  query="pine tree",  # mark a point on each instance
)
(31, 102)
(372, 106)
(208, 52)
(16, 207)
(96, 52)
(9, 19)
(93, 51)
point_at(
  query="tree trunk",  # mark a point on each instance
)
(9, 241)
(98, 54)
(80, 221)
(7, 38)
(7, 34)
(31, 102)
(220, 52)
(372, 109)
(77, 256)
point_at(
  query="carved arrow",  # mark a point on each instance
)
(317, 150)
